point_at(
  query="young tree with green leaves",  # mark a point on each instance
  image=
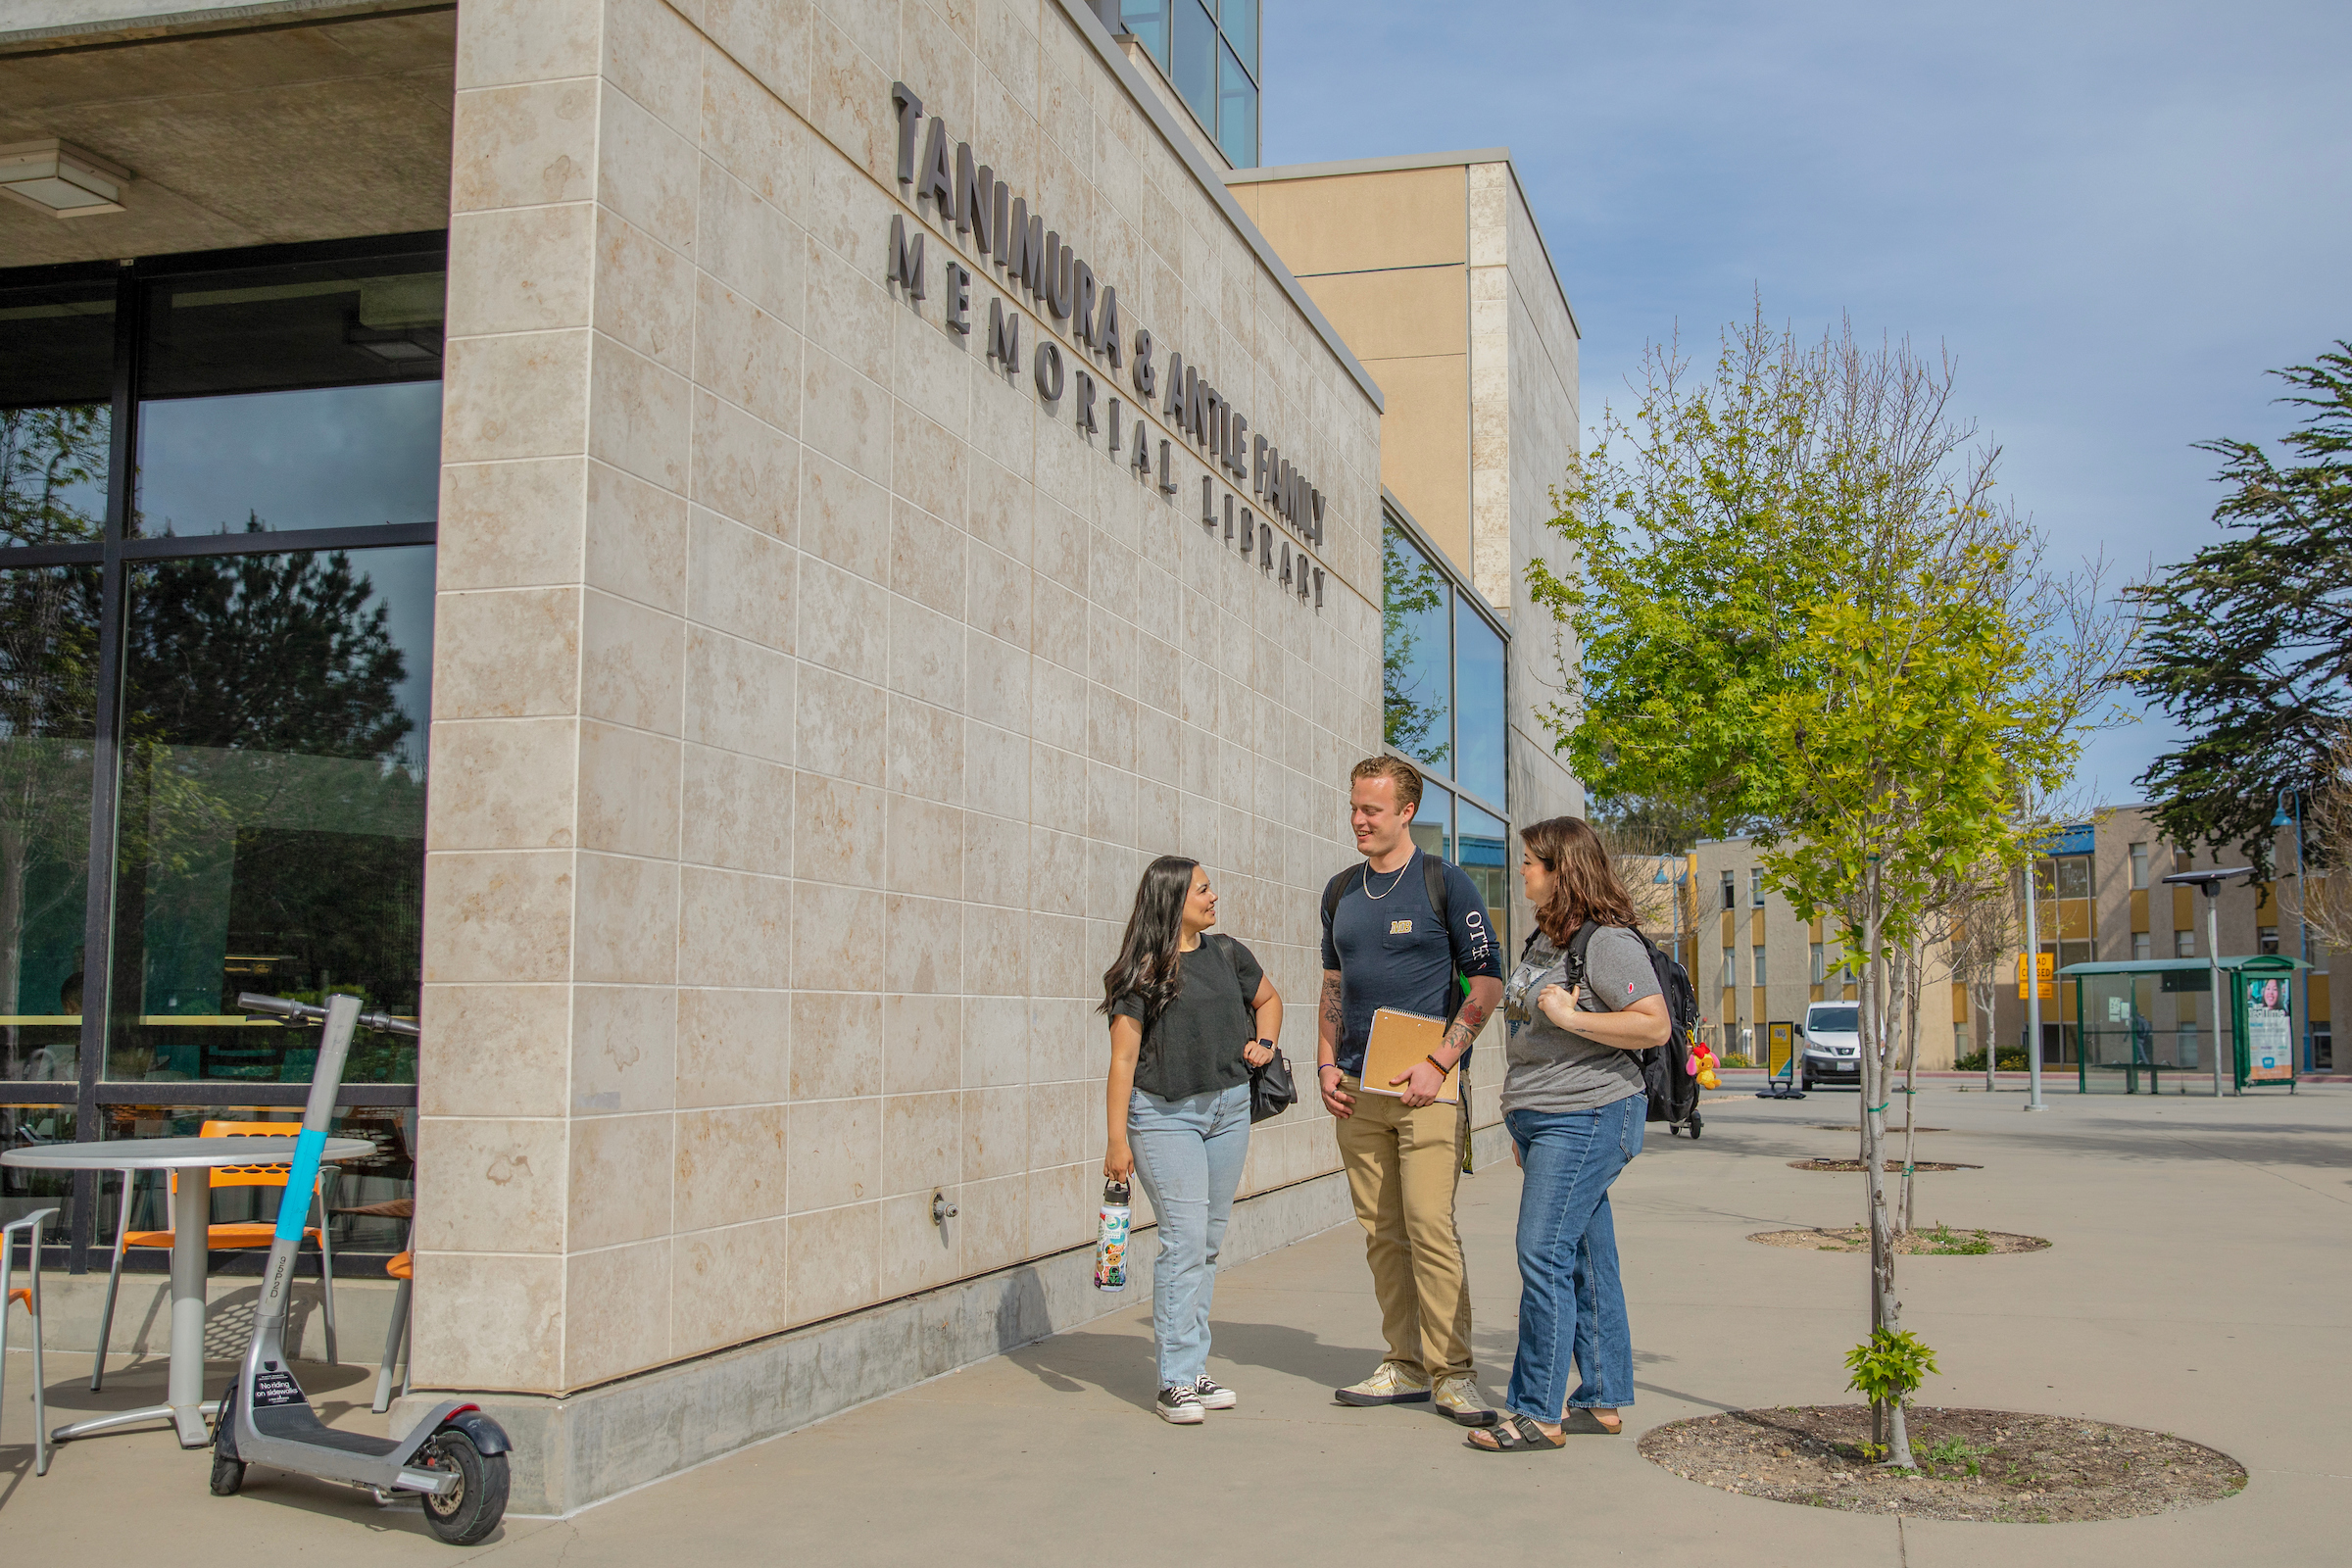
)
(1799, 606)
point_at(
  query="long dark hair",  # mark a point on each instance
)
(1584, 885)
(1149, 964)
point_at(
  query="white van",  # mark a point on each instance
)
(1833, 1050)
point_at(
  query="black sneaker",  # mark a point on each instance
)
(1214, 1396)
(1179, 1405)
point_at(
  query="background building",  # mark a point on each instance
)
(2100, 898)
(557, 515)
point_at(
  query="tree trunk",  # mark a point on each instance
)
(1918, 965)
(1987, 995)
(1878, 1015)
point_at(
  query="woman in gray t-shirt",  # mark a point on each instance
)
(1574, 1105)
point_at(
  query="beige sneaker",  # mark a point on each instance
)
(1459, 1398)
(1394, 1383)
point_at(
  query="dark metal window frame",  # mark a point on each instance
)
(114, 555)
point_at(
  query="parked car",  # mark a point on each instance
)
(1833, 1044)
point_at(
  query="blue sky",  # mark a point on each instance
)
(2115, 216)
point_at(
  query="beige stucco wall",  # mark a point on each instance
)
(808, 694)
(1386, 254)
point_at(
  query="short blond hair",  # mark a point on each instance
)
(1397, 771)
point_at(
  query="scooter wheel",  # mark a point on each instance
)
(470, 1512)
(228, 1476)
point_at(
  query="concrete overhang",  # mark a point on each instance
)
(240, 125)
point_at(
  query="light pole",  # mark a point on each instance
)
(2302, 924)
(2032, 984)
(2209, 883)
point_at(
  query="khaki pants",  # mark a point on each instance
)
(1403, 1166)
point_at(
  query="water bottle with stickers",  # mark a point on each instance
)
(1111, 1238)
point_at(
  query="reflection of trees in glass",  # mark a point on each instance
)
(277, 652)
(271, 808)
(48, 715)
(52, 473)
(1411, 713)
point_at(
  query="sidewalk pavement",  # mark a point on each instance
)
(2198, 1285)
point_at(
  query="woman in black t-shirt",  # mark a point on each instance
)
(1190, 1015)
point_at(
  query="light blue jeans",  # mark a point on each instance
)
(1188, 1155)
(1571, 1302)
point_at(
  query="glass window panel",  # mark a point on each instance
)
(57, 355)
(1432, 826)
(271, 826)
(1148, 19)
(1417, 716)
(1194, 67)
(1481, 720)
(296, 397)
(1237, 112)
(1238, 19)
(2074, 876)
(23, 1191)
(1486, 855)
(387, 1174)
(48, 718)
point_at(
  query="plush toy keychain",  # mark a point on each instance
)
(1701, 1066)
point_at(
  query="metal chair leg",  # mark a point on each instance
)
(113, 1283)
(326, 1261)
(41, 1374)
(395, 1341)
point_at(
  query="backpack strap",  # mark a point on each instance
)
(1433, 882)
(1338, 888)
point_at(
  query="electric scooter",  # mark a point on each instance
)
(456, 1457)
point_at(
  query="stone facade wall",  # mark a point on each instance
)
(809, 692)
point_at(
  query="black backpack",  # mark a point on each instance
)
(1433, 881)
(1672, 1091)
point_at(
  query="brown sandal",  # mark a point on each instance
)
(1514, 1434)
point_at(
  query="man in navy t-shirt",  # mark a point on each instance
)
(1385, 946)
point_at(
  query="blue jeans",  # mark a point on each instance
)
(1188, 1155)
(1570, 1299)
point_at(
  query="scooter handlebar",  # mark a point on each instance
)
(286, 1007)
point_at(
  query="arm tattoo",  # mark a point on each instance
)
(1466, 1025)
(1331, 1001)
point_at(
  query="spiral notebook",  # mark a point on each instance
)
(1400, 1040)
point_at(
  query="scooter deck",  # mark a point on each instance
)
(296, 1424)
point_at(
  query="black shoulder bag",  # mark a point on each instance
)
(1271, 1087)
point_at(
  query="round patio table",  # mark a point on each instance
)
(191, 1224)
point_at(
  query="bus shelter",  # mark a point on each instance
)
(2139, 1020)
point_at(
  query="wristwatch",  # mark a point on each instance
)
(1264, 1041)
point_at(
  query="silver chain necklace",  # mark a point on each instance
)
(1400, 870)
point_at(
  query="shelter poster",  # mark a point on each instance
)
(2269, 1029)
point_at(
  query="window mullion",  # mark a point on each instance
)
(98, 918)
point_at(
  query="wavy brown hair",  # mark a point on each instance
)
(1150, 963)
(1584, 885)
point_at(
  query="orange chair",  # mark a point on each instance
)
(241, 1236)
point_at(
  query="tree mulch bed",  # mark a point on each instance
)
(1941, 1241)
(1895, 1165)
(1989, 1466)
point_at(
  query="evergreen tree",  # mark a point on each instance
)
(2248, 643)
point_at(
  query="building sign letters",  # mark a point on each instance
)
(1003, 232)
